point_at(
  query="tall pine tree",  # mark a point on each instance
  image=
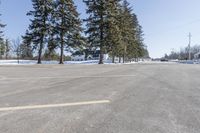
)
(1, 31)
(2, 43)
(126, 27)
(131, 34)
(96, 24)
(26, 46)
(67, 26)
(7, 48)
(113, 31)
(39, 27)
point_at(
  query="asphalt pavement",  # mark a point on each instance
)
(134, 98)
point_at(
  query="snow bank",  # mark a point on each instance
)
(15, 62)
(32, 62)
(190, 61)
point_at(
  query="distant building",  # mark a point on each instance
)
(197, 55)
(78, 57)
(91, 55)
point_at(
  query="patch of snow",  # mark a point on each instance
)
(189, 62)
(15, 62)
(32, 62)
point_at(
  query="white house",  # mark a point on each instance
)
(92, 56)
(197, 55)
(78, 58)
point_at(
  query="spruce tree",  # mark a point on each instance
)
(1, 31)
(2, 48)
(96, 24)
(131, 44)
(51, 46)
(67, 26)
(114, 28)
(136, 48)
(7, 48)
(26, 46)
(140, 41)
(103, 31)
(113, 38)
(126, 27)
(2, 43)
(39, 27)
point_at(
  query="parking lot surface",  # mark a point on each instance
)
(135, 98)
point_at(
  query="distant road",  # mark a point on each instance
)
(135, 98)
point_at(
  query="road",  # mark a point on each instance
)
(137, 98)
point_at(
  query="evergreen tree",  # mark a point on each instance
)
(133, 48)
(127, 27)
(26, 46)
(7, 48)
(2, 48)
(114, 28)
(132, 35)
(2, 43)
(136, 49)
(96, 24)
(40, 24)
(52, 43)
(51, 55)
(103, 31)
(51, 47)
(1, 31)
(67, 26)
(140, 41)
(113, 38)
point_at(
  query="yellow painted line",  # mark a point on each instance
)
(53, 105)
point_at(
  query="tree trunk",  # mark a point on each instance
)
(1, 51)
(18, 57)
(40, 52)
(7, 49)
(113, 59)
(41, 43)
(62, 50)
(101, 57)
(101, 41)
(120, 59)
(124, 54)
(123, 58)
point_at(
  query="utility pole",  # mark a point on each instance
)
(189, 46)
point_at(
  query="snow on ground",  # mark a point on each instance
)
(189, 61)
(15, 62)
(32, 62)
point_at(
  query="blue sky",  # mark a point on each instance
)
(166, 23)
